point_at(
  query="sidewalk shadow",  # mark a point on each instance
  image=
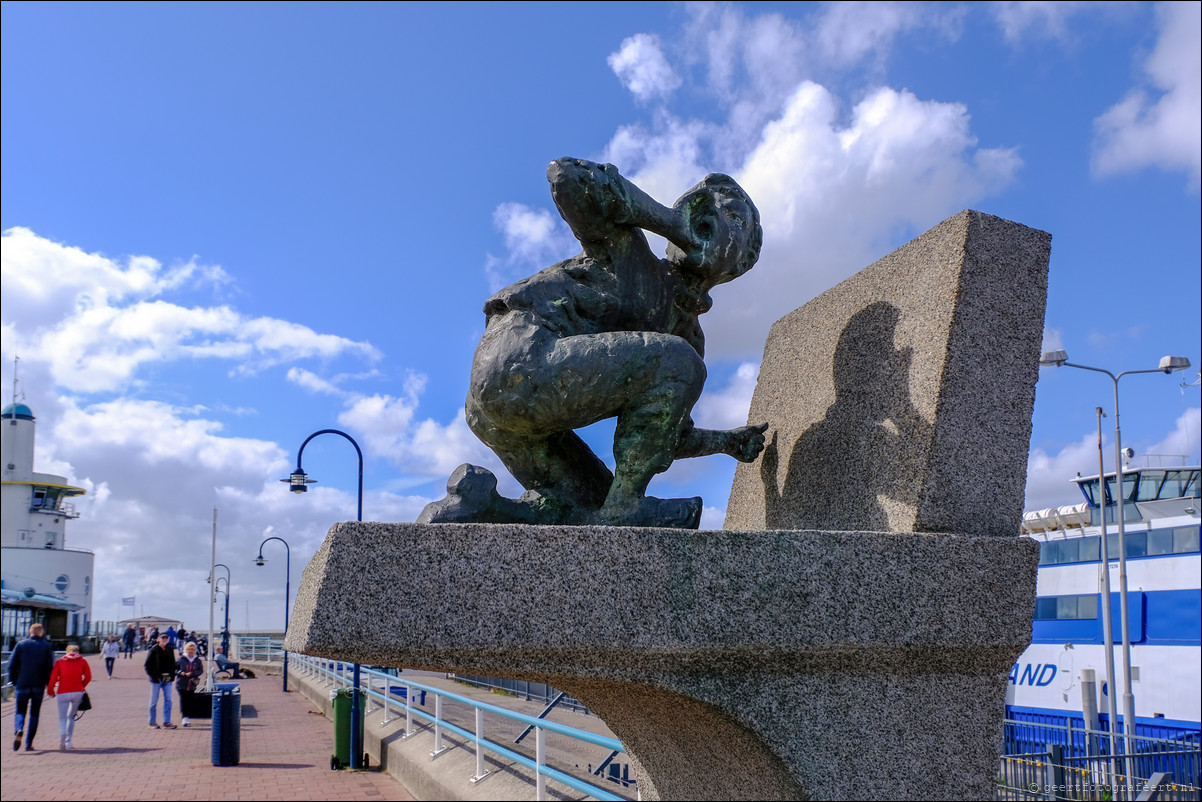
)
(118, 750)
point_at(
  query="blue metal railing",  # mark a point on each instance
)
(334, 671)
(530, 691)
(1046, 760)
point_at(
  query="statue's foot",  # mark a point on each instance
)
(674, 513)
(472, 497)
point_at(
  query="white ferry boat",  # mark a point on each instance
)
(1164, 567)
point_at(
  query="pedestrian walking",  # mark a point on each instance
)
(188, 671)
(109, 651)
(160, 667)
(29, 670)
(128, 638)
(68, 680)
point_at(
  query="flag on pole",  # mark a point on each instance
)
(128, 601)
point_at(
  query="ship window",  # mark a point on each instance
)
(1149, 486)
(1160, 541)
(1136, 542)
(1186, 539)
(1077, 550)
(1091, 549)
(1180, 484)
(1066, 608)
(1090, 489)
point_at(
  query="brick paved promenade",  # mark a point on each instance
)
(285, 750)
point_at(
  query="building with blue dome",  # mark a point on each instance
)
(40, 578)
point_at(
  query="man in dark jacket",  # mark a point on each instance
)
(160, 667)
(29, 671)
(127, 641)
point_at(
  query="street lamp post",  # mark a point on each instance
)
(225, 630)
(298, 482)
(287, 590)
(226, 590)
(1167, 365)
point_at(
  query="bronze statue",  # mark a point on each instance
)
(611, 332)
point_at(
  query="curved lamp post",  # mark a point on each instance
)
(225, 630)
(298, 482)
(287, 590)
(226, 591)
(1167, 365)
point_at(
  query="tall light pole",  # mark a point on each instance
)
(1107, 624)
(1167, 365)
(225, 631)
(287, 590)
(298, 482)
(226, 590)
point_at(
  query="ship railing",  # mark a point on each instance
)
(1074, 763)
(396, 695)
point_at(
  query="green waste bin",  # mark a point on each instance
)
(342, 727)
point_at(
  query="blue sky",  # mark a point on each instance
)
(227, 226)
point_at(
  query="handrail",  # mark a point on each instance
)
(324, 666)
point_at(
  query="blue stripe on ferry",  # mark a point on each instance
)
(1174, 617)
(1158, 617)
(1046, 715)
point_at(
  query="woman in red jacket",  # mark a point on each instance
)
(68, 679)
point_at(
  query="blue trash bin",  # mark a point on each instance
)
(227, 724)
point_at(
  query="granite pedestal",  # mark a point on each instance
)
(732, 665)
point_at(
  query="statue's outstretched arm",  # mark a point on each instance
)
(602, 207)
(744, 443)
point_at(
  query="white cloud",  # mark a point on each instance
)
(849, 32)
(1159, 124)
(642, 68)
(534, 239)
(833, 197)
(1052, 340)
(50, 279)
(836, 188)
(728, 408)
(1045, 20)
(424, 448)
(105, 321)
(1049, 476)
(1185, 440)
(154, 470)
(313, 383)
(712, 518)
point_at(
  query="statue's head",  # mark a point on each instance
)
(726, 224)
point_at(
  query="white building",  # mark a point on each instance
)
(42, 580)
